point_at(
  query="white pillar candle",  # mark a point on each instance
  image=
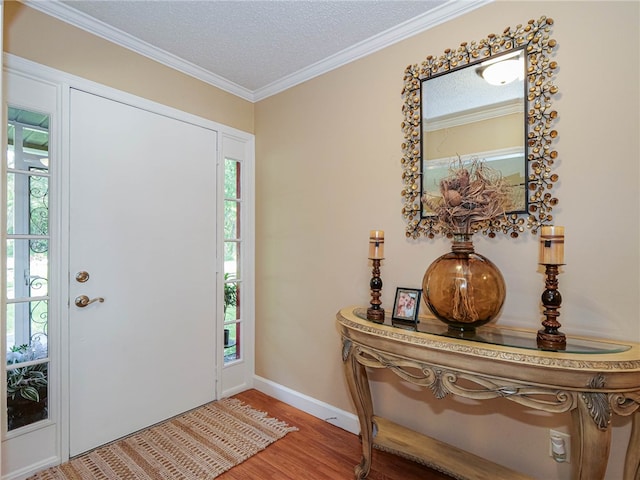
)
(551, 245)
(376, 244)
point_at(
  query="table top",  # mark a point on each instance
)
(495, 348)
(497, 334)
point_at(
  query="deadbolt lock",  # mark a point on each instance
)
(82, 276)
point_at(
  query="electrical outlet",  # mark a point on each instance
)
(560, 446)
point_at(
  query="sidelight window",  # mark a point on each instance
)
(27, 261)
(233, 248)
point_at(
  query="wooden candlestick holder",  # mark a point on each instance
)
(550, 338)
(375, 313)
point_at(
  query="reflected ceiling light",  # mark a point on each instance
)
(502, 71)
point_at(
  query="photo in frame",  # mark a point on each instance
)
(406, 306)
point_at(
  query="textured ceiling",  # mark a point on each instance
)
(255, 48)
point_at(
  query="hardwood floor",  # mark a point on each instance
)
(318, 451)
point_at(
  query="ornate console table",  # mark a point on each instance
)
(592, 379)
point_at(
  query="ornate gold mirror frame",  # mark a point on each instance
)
(534, 39)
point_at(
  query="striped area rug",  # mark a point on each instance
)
(198, 445)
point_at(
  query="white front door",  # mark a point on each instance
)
(143, 227)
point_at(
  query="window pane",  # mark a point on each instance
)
(11, 188)
(29, 130)
(231, 260)
(11, 135)
(38, 205)
(39, 317)
(27, 352)
(231, 213)
(27, 204)
(232, 342)
(27, 328)
(27, 395)
(11, 326)
(27, 268)
(231, 301)
(231, 178)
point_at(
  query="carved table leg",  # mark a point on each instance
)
(358, 382)
(632, 462)
(593, 428)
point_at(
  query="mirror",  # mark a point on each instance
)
(452, 111)
(465, 116)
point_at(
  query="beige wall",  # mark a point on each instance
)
(328, 171)
(45, 40)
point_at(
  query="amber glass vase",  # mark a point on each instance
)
(462, 288)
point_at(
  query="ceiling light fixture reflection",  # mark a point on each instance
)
(502, 71)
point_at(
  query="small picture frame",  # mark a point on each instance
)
(406, 305)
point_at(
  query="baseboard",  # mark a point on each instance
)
(340, 418)
(235, 390)
(32, 469)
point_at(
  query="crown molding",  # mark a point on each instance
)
(437, 16)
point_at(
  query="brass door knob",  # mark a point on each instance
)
(82, 301)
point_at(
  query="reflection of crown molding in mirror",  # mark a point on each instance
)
(488, 157)
(474, 115)
(534, 39)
